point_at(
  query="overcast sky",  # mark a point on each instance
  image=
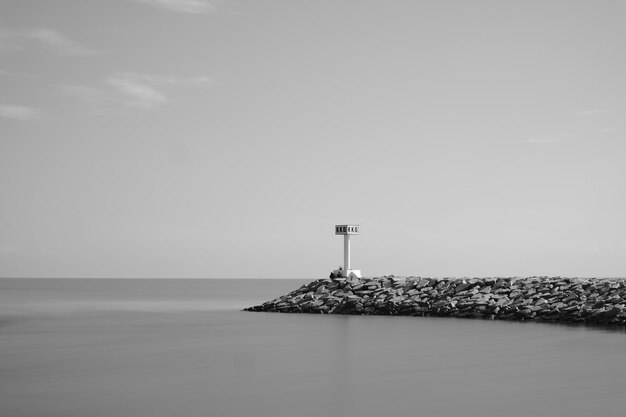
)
(200, 138)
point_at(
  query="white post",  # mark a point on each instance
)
(346, 253)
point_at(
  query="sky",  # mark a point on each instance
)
(225, 139)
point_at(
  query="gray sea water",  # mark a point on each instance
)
(141, 347)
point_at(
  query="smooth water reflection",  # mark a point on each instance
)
(191, 362)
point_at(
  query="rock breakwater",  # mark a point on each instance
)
(588, 300)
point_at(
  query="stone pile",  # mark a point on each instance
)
(589, 300)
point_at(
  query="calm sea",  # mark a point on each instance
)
(176, 348)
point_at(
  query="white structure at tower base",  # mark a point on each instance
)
(341, 273)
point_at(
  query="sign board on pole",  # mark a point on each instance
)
(346, 229)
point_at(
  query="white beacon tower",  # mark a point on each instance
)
(346, 272)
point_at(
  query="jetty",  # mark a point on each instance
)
(553, 299)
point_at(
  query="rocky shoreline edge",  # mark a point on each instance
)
(556, 299)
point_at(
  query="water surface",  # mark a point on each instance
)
(183, 348)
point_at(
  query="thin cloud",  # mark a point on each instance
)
(588, 112)
(164, 80)
(185, 6)
(4, 73)
(131, 89)
(139, 92)
(57, 43)
(22, 113)
(547, 138)
(50, 40)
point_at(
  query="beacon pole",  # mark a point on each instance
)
(346, 253)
